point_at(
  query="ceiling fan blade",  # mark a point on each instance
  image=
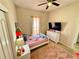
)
(51, 0)
(47, 7)
(42, 4)
(56, 4)
(54, 0)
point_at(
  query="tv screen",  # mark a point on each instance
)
(57, 26)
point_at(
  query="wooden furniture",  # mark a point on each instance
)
(53, 35)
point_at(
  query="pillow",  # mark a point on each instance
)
(35, 36)
(42, 35)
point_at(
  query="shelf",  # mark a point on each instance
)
(27, 50)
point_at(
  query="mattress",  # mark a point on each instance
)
(36, 42)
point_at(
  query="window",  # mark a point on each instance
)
(36, 25)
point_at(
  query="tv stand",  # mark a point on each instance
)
(53, 35)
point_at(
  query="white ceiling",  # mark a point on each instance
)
(32, 4)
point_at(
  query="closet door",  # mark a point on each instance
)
(2, 56)
(4, 38)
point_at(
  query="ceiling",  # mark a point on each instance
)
(33, 4)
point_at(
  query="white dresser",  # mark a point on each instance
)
(53, 35)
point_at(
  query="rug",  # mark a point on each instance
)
(51, 51)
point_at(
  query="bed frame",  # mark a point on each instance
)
(40, 45)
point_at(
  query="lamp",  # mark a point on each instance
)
(49, 3)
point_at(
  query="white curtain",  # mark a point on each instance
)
(36, 23)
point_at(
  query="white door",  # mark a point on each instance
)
(5, 46)
(2, 56)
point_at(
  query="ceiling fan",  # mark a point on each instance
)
(49, 3)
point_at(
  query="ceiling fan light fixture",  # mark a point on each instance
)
(49, 3)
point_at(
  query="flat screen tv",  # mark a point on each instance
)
(57, 26)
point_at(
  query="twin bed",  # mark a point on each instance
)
(35, 41)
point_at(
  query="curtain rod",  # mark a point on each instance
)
(2, 10)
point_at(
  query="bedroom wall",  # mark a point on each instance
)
(24, 16)
(69, 16)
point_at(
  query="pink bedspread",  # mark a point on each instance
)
(34, 42)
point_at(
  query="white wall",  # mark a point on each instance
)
(25, 19)
(11, 18)
(69, 16)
